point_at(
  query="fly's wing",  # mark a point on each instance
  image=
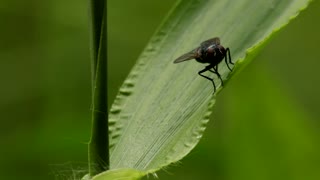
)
(188, 56)
(211, 41)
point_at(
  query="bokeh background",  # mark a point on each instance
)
(265, 125)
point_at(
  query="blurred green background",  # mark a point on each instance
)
(265, 125)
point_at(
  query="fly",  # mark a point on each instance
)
(209, 51)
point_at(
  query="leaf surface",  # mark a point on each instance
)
(162, 109)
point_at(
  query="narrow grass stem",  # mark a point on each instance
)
(99, 142)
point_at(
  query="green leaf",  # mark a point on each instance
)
(162, 109)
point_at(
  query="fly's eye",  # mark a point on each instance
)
(210, 50)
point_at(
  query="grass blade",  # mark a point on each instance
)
(162, 108)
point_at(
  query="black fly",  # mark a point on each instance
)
(209, 51)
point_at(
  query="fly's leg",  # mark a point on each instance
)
(207, 68)
(228, 51)
(215, 71)
(226, 58)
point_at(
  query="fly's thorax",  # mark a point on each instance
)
(220, 52)
(211, 54)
